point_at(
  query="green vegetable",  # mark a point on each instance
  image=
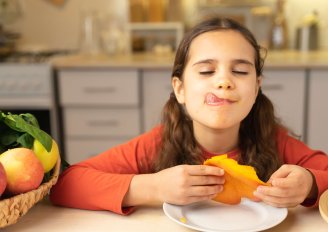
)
(20, 131)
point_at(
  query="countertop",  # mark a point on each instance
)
(46, 217)
(274, 59)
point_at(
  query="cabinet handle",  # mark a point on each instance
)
(272, 87)
(102, 123)
(105, 89)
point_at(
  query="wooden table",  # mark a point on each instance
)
(46, 217)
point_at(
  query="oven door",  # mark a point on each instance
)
(27, 88)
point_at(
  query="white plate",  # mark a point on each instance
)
(211, 216)
(323, 205)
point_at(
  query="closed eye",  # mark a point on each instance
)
(206, 73)
(240, 72)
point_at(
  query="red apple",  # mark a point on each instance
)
(3, 179)
(23, 169)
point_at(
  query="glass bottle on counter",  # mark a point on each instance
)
(279, 37)
(89, 41)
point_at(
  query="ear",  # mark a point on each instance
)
(258, 84)
(178, 89)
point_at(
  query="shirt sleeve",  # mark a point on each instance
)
(101, 182)
(294, 151)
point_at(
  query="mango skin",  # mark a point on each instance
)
(240, 180)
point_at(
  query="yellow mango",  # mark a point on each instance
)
(240, 180)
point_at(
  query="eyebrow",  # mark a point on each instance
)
(206, 61)
(243, 61)
(211, 61)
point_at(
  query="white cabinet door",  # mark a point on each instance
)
(286, 89)
(318, 110)
(99, 87)
(97, 122)
(100, 109)
(81, 149)
(156, 91)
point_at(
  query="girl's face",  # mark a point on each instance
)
(219, 84)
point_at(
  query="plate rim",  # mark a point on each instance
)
(323, 205)
(284, 213)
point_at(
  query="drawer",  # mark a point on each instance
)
(286, 90)
(318, 110)
(98, 87)
(94, 122)
(156, 91)
(81, 149)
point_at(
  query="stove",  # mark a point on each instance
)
(26, 85)
(28, 57)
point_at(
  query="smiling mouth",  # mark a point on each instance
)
(213, 100)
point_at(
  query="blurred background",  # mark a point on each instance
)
(59, 24)
(97, 73)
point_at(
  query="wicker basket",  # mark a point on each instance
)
(11, 209)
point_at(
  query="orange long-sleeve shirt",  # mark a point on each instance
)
(101, 182)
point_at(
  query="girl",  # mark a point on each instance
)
(216, 107)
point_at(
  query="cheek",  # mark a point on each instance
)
(249, 95)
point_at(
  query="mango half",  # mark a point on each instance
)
(240, 180)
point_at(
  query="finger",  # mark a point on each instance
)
(273, 191)
(276, 201)
(282, 172)
(201, 191)
(276, 191)
(206, 180)
(282, 182)
(201, 170)
(193, 199)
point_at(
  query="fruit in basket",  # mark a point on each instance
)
(240, 180)
(3, 179)
(23, 169)
(48, 159)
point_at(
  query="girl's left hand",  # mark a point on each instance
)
(291, 185)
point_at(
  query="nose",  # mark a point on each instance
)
(224, 84)
(224, 79)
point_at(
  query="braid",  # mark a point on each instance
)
(258, 144)
(178, 142)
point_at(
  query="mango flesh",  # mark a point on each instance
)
(240, 180)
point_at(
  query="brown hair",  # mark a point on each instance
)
(257, 134)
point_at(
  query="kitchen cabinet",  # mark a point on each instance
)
(286, 89)
(156, 91)
(318, 109)
(134, 88)
(100, 109)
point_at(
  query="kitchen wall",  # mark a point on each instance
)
(43, 24)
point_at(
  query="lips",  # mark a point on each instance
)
(212, 99)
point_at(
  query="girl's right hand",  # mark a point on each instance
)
(185, 184)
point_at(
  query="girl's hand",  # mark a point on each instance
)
(185, 184)
(291, 185)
